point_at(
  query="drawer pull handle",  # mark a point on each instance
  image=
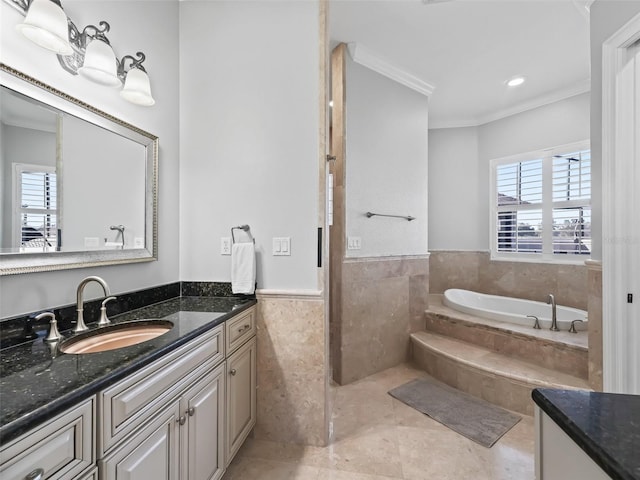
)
(191, 411)
(242, 329)
(232, 371)
(182, 420)
(37, 474)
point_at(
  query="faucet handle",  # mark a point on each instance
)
(104, 320)
(572, 328)
(53, 335)
(536, 324)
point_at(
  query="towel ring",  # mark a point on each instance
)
(244, 228)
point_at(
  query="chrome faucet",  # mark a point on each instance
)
(80, 326)
(554, 320)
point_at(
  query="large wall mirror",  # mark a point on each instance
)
(78, 187)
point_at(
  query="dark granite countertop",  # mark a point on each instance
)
(37, 381)
(605, 425)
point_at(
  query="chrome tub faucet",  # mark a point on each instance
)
(551, 300)
(80, 325)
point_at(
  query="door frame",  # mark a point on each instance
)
(619, 335)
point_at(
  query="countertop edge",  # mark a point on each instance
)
(609, 464)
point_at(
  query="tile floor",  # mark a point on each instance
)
(378, 437)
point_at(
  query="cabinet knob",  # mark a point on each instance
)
(232, 371)
(191, 411)
(37, 474)
(182, 420)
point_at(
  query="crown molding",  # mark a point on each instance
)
(584, 86)
(366, 58)
(579, 88)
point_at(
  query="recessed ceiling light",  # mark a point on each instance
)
(515, 81)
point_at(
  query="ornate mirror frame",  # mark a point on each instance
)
(17, 263)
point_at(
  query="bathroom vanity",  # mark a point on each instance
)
(587, 435)
(175, 407)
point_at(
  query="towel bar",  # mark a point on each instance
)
(406, 217)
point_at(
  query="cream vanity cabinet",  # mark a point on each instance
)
(175, 410)
(185, 440)
(183, 417)
(63, 448)
(241, 381)
(186, 415)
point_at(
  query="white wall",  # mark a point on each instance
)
(148, 26)
(607, 17)
(386, 166)
(456, 209)
(102, 186)
(559, 123)
(249, 136)
(41, 151)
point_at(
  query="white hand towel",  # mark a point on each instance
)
(243, 268)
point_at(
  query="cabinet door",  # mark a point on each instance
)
(151, 454)
(202, 437)
(241, 396)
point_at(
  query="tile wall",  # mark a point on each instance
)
(292, 369)
(382, 300)
(533, 281)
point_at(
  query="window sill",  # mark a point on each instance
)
(539, 259)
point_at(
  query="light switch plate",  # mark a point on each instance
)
(282, 246)
(91, 242)
(225, 246)
(354, 243)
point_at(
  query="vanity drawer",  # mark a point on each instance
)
(62, 448)
(240, 329)
(126, 405)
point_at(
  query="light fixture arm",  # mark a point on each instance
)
(135, 63)
(94, 33)
(21, 5)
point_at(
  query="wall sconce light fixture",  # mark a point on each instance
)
(87, 52)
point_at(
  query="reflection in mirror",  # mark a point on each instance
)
(77, 186)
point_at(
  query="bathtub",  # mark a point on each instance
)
(512, 310)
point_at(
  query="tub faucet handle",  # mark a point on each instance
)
(572, 328)
(536, 324)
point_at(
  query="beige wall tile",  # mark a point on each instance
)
(533, 281)
(382, 301)
(292, 371)
(595, 326)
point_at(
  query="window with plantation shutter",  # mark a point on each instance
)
(37, 211)
(541, 207)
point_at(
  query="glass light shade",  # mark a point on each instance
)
(46, 25)
(100, 64)
(137, 88)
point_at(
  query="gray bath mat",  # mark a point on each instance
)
(472, 417)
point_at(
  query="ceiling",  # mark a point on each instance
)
(467, 49)
(20, 111)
